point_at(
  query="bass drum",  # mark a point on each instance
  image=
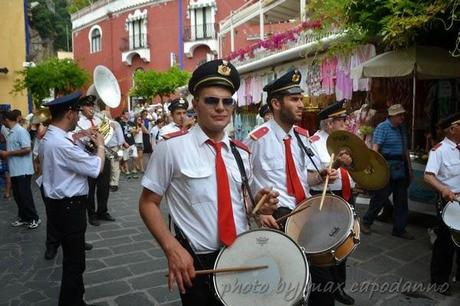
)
(328, 235)
(286, 281)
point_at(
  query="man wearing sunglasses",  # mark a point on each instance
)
(279, 160)
(197, 175)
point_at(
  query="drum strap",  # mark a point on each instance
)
(307, 151)
(244, 177)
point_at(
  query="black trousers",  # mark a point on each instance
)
(202, 291)
(101, 183)
(68, 218)
(443, 253)
(52, 234)
(22, 194)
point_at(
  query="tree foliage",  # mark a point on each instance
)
(54, 25)
(60, 76)
(76, 5)
(149, 84)
(394, 23)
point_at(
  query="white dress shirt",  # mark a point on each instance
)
(187, 183)
(322, 160)
(65, 166)
(268, 160)
(444, 163)
(168, 128)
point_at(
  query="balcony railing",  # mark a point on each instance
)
(134, 42)
(200, 32)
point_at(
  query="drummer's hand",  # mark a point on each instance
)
(333, 174)
(344, 158)
(447, 194)
(268, 221)
(180, 264)
(271, 201)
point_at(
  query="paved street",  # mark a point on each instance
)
(127, 267)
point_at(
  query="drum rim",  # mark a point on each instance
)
(345, 235)
(307, 278)
(450, 203)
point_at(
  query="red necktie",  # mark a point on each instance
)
(92, 123)
(294, 186)
(225, 221)
(346, 186)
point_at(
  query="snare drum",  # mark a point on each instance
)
(328, 235)
(451, 217)
(286, 281)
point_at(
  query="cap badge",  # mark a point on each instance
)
(296, 77)
(224, 69)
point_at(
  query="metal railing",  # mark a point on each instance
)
(200, 32)
(134, 42)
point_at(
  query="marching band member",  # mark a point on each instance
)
(66, 168)
(202, 188)
(178, 109)
(332, 118)
(278, 159)
(98, 187)
(442, 172)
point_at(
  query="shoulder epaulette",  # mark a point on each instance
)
(259, 133)
(314, 138)
(241, 145)
(175, 134)
(436, 146)
(301, 131)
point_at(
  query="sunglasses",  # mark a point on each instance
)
(227, 102)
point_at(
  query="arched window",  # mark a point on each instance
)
(95, 40)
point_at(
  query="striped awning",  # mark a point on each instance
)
(202, 3)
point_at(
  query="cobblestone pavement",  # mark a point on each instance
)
(127, 267)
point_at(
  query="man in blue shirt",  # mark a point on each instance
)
(390, 139)
(19, 155)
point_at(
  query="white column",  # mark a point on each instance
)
(261, 20)
(232, 34)
(303, 11)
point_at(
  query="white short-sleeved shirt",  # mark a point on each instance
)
(182, 171)
(19, 138)
(322, 159)
(268, 160)
(168, 128)
(444, 163)
(65, 166)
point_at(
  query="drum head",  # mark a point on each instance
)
(282, 283)
(319, 231)
(451, 215)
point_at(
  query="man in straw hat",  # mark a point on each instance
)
(390, 139)
(195, 173)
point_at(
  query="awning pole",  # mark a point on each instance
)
(414, 91)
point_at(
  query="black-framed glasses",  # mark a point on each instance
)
(227, 102)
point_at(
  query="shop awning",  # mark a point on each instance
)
(429, 62)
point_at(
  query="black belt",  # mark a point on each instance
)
(67, 199)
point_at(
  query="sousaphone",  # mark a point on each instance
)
(106, 89)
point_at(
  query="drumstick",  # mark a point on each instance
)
(261, 201)
(291, 213)
(233, 269)
(326, 182)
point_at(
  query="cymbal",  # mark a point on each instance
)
(375, 176)
(340, 140)
(40, 116)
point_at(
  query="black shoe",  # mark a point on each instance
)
(88, 246)
(106, 217)
(342, 297)
(113, 188)
(50, 253)
(94, 221)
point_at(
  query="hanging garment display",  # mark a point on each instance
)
(344, 83)
(328, 71)
(359, 56)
